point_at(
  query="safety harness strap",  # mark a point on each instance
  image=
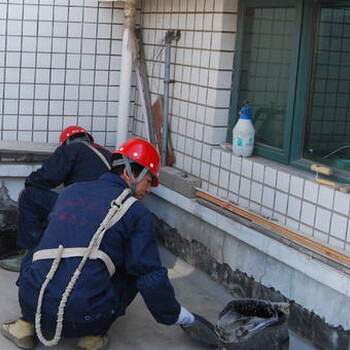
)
(117, 210)
(103, 158)
(75, 252)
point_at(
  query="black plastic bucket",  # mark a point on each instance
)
(253, 324)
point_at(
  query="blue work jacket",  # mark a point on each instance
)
(70, 163)
(98, 298)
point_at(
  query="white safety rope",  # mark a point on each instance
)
(116, 206)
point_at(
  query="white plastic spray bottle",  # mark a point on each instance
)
(243, 134)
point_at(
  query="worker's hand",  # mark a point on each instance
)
(185, 317)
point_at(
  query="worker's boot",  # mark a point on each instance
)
(20, 332)
(13, 263)
(92, 342)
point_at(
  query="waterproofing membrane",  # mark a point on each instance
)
(202, 332)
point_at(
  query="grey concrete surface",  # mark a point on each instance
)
(137, 329)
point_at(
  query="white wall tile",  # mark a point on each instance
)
(14, 44)
(76, 14)
(12, 91)
(323, 218)
(214, 136)
(247, 167)
(41, 107)
(74, 46)
(45, 13)
(326, 196)
(294, 208)
(10, 106)
(336, 243)
(25, 122)
(339, 226)
(224, 177)
(197, 152)
(293, 224)
(61, 13)
(42, 91)
(3, 11)
(31, 12)
(308, 212)
(258, 172)
(29, 28)
(216, 156)
(9, 135)
(268, 198)
(225, 160)
(205, 171)
(27, 91)
(26, 106)
(236, 164)
(12, 75)
(45, 29)
(244, 188)
(56, 108)
(281, 202)
(341, 203)
(296, 186)
(270, 176)
(256, 192)
(305, 229)
(283, 180)
(196, 167)
(311, 191)
(9, 122)
(214, 174)
(40, 122)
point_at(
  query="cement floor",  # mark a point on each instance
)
(137, 329)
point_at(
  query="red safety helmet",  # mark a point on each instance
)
(73, 130)
(144, 153)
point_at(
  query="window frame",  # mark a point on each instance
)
(300, 72)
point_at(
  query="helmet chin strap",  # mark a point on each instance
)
(134, 181)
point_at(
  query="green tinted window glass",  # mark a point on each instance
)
(265, 70)
(327, 136)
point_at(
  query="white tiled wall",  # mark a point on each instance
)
(199, 65)
(59, 66)
(282, 194)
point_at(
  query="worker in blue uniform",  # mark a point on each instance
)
(77, 159)
(98, 251)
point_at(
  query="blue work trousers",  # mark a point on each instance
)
(34, 206)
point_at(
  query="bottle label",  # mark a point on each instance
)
(244, 141)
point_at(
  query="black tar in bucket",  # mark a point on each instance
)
(253, 324)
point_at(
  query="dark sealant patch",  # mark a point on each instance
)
(304, 323)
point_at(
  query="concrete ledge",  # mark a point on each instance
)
(25, 152)
(179, 181)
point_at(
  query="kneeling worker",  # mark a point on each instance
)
(98, 251)
(77, 159)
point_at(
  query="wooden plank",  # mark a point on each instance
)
(278, 229)
(143, 86)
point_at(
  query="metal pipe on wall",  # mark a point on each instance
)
(168, 40)
(128, 54)
(169, 37)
